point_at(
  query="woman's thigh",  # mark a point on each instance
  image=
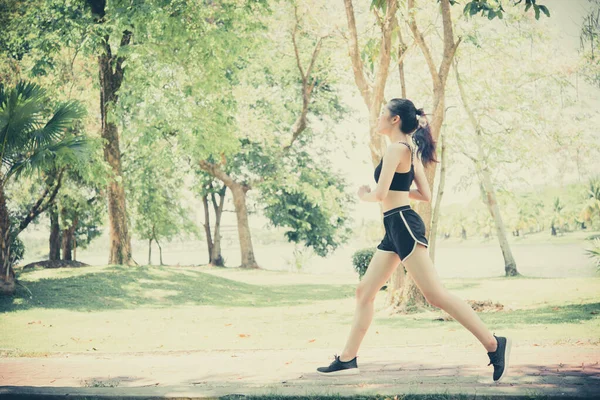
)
(422, 271)
(380, 269)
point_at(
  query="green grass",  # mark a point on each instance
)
(150, 308)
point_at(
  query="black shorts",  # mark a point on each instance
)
(404, 228)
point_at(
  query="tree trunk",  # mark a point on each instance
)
(510, 266)
(159, 252)
(149, 251)
(395, 285)
(110, 82)
(7, 279)
(68, 236)
(247, 252)
(55, 240)
(438, 202)
(209, 241)
(215, 257)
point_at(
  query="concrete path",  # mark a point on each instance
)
(559, 371)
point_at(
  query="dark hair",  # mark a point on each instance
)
(407, 112)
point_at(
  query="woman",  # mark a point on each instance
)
(405, 240)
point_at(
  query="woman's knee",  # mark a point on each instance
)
(364, 294)
(437, 298)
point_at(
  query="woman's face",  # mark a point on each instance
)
(386, 123)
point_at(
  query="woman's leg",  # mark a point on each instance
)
(420, 267)
(380, 268)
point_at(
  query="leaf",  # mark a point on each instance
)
(467, 9)
(243, 335)
(545, 10)
(474, 10)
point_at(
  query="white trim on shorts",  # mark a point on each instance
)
(413, 236)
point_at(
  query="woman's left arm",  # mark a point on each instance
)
(391, 159)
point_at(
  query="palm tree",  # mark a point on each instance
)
(558, 219)
(30, 142)
(594, 253)
(591, 206)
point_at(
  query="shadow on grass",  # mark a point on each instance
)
(119, 287)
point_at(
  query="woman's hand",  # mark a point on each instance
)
(363, 190)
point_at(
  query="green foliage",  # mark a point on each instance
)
(594, 253)
(493, 8)
(311, 201)
(590, 44)
(591, 207)
(32, 136)
(361, 260)
(154, 186)
(17, 249)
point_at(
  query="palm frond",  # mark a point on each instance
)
(69, 150)
(62, 119)
(28, 139)
(594, 253)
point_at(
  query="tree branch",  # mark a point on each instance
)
(38, 208)
(357, 65)
(296, 52)
(449, 45)
(216, 171)
(385, 52)
(418, 36)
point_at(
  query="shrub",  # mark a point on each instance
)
(361, 260)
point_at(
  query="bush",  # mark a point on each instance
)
(17, 250)
(361, 260)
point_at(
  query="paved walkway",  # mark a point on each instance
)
(561, 371)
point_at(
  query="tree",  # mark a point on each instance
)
(156, 179)
(269, 127)
(207, 186)
(591, 207)
(483, 170)
(311, 202)
(31, 141)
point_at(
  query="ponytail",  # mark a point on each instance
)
(414, 121)
(423, 139)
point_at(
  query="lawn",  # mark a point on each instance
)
(151, 308)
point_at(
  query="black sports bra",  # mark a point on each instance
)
(401, 180)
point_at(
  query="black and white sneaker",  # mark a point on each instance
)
(338, 367)
(499, 358)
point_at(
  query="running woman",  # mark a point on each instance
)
(404, 241)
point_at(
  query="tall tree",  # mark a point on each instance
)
(288, 122)
(484, 173)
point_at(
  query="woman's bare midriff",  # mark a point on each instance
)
(395, 199)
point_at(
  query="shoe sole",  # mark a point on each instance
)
(506, 358)
(341, 372)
